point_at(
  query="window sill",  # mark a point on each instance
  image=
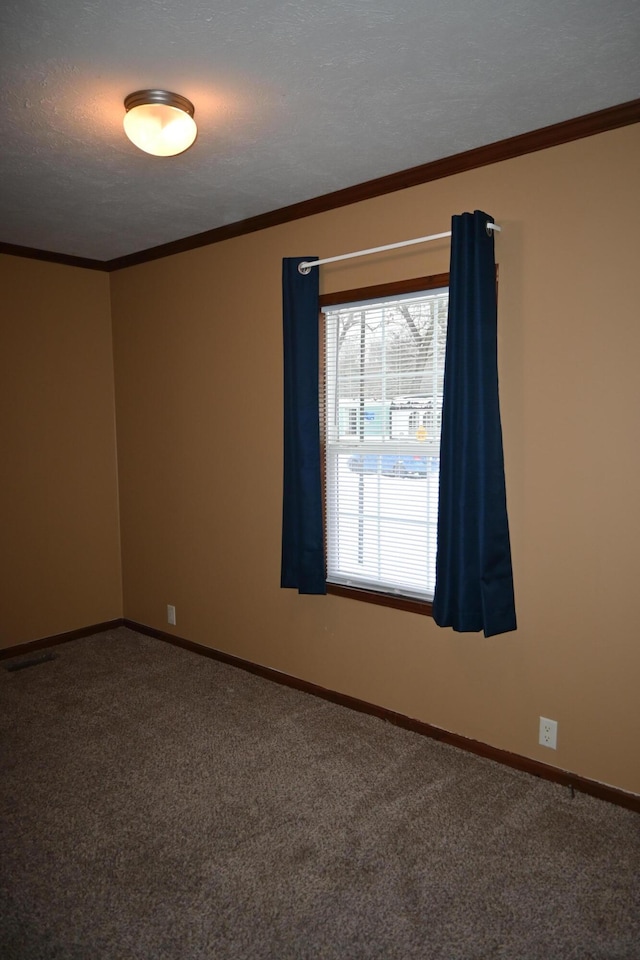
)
(423, 607)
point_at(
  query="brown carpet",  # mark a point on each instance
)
(158, 804)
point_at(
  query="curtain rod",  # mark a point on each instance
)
(305, 266)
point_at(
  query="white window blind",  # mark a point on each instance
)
(381, 409)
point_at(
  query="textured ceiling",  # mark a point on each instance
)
(293, 98)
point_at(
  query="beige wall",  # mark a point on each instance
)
(197, 341)
(60, 550)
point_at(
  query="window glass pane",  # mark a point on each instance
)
(382, 405)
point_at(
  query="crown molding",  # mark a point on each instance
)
(588, 125)
(32, 253)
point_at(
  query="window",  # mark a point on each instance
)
(381, 407)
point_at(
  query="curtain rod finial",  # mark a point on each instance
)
(304, 268)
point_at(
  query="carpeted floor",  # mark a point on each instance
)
(157, 804)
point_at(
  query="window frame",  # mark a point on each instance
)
(411, 285)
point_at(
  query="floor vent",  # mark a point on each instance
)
(30, 662)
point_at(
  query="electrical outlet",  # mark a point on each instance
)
(548, 733)
(171, 614)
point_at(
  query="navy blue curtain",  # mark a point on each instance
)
(303, 563)
(474, 579)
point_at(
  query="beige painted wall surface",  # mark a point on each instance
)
(60, 557)
(198, 366)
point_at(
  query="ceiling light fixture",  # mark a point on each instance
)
(159, 122)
